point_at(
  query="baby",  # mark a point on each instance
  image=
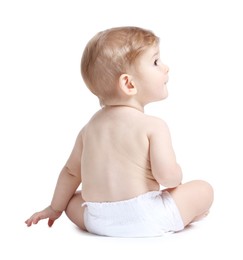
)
(123, 157)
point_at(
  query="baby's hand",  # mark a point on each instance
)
(46, 213)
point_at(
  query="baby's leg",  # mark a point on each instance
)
(74, 211)
(193, 200)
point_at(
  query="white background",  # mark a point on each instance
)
(44, 103)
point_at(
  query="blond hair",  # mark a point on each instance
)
(109, 54)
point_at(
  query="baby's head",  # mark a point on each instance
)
(111, 53)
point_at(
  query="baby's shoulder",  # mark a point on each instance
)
(155, 124)
(154, 121)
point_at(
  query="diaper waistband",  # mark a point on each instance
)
(147, 195)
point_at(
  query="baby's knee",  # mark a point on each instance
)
(206, 191)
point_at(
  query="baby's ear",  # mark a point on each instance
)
(127, 85)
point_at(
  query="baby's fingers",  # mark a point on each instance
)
(28, 222)
(31, 221)
(34, 219)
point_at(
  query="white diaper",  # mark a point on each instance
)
(151, 214)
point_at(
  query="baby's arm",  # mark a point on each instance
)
(67, 183)
(69, 178)
(165, 168)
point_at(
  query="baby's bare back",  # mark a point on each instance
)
(115, 161)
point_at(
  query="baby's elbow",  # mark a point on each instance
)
(172, 178)
(172, 183)
(72, 173)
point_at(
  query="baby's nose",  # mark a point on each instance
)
(166, 68)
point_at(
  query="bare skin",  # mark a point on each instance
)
(122, 153)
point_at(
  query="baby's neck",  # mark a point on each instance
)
(128, 103)
(125, 106)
